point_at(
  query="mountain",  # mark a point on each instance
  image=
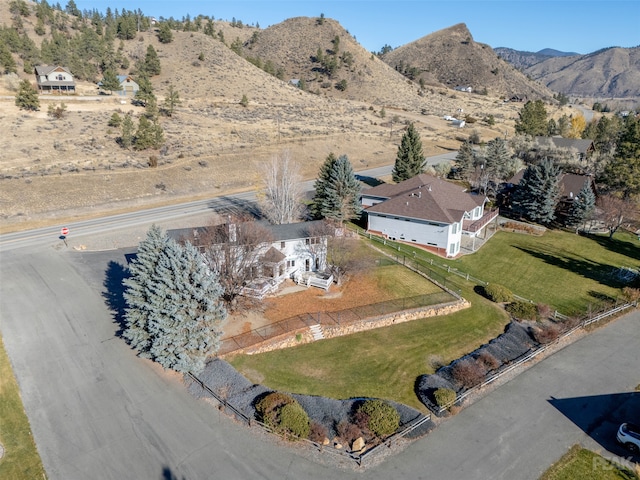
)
(522, 59)
(451, 57)
(305, 49)
(611, 72)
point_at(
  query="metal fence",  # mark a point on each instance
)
(530, 355)
(337, 318)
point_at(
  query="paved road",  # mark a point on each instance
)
(97, 411)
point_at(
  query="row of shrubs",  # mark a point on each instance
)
(373, 420)
(520, 309)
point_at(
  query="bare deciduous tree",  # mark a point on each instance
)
(613, 211)
(233, 251)
(342, 254)
(281, 199)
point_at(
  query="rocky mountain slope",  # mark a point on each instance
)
(612, 72)
(451, 57)
(521, 59)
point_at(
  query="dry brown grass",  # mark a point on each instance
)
(72, 168)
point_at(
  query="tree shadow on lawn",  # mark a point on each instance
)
(602, 273)
(234, 206)
(622, 247)
(113, 292)
(599, 416)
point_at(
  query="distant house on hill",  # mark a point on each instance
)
(128, 86)
(464, 88)
(426, 211)
(582, 146)
(54, 79)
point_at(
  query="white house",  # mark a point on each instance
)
(54, 78)
(293, 251)
(464, 88)
(426, 211)
(128, 86)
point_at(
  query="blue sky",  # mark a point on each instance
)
(570, 25)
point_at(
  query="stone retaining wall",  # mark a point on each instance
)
(303, 335)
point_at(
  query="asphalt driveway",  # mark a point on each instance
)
(97, 411)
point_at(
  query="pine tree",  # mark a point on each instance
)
(145, 134)
(410, 159)
(498, 160)
(139, 293)
(174, 309)
(583, 206)
(164, 33)
(464, 165)
(145, 90)
(342, 193)
(622, 173)
(27, 97)
(537, 195)
(126, 139)
(110, 81)
(320, 186)
(532, 119)
(171, 101)
(151, 62)
(7, 63)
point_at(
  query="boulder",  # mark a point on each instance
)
(358, 444)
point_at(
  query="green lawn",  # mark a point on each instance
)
(21, 459)
(570, 272)
(579, 464)
(383, 363)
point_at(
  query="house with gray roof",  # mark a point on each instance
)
(295, 251)
(426, 211)
(54, 79)
(582, 146)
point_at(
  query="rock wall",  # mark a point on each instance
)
(303, 335)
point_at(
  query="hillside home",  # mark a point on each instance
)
(128, 86)
(54, 79)
(464, 88)
(426, 211)
(582, 146)
(295, 251)
(570, 186)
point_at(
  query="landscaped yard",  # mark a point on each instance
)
(21, 459)
(562, 269)
(383, 363)
(579, 463)
(567, 271)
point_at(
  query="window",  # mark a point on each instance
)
(454, 228)
(60, 77)
(282, 244)
(291, 263)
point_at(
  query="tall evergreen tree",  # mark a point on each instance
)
(622, 173)
(410, 159)
(128, 129)
(342, 193)
(583, 206)
(320, 186)
(171, 101)
(164, 33)
(151, 64)
(145, 90)
(110, 81)
(7, 63)
(532, 119)
(465, 161)
(537, 195)
(27, 97)
(174, 309)
(498, 160)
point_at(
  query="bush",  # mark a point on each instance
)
(498, 293)
(522, 310)
(294, 420)
(115, 120)
(488, 360)
(544, 311)
(317, 432)
(546, 334)
(268, 407)
(444, 396)
(467, 373)
(348, 431)
(383, 418)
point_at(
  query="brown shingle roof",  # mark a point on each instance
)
(424, 197)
